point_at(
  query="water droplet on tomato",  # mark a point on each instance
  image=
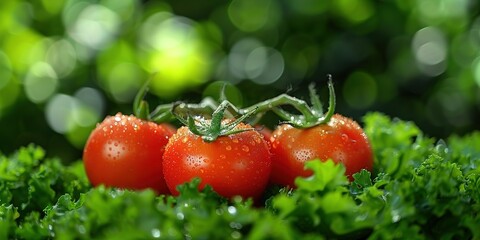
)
(235, 140)
(303, 155)
(117, 118)
(223, 156)
(228, 148)
(344, 137)
(245, 148)
(196, 161)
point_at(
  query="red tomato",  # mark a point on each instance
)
(126, 152)
(341, 139)
(266, 132)
(237, 164)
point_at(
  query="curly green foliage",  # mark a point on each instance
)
(421, 188)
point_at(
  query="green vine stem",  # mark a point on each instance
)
(308, 116)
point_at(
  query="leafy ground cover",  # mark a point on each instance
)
(420, 188)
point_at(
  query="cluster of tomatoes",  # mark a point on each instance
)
(224, 152)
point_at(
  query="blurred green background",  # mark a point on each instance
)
(66, 64)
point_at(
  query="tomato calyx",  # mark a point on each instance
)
(315, 115)
(211, 129)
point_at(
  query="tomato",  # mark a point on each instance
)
(236, 164)
(266, 132)
(126, 152)
(341, 140)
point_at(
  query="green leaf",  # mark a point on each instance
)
(327, 175)
(361, 181)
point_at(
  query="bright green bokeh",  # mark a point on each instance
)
(381, 54)
(40, 83)
(174, 54)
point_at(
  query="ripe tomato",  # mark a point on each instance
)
(126, 152)
(237, 164)
(341, 139)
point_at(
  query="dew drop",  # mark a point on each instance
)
(303, 155)
(195, 161)
(245, 148)
(228, 148)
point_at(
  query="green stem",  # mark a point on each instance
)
(280, 100)
(140, 107)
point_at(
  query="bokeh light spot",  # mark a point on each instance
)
(431, 53)
(95, 26)
(360, 90)
(84, 120)
(23, 49)
(62, 57)
(264, 65)
(58, 112)
(442, 10)
(249, 59)
(92, 98)
(238, 56)
(124, 9)
(174, 53)
(430, 50)
(41, 82)
(70, 116)
(252, 15)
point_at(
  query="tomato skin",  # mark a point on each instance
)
(237, 164)
(126, 152)
(341, 139)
